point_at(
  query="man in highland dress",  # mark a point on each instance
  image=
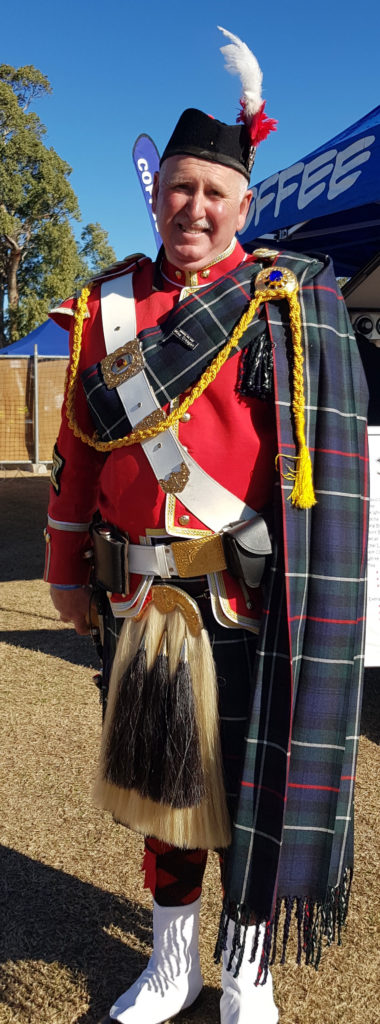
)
(208, 487)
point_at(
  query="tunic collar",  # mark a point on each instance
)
(167, 276)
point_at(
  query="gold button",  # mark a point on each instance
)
(186, 417)
(178, 274)
(47, 536)
(205, 273)
(183, 520)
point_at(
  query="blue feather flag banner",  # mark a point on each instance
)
(146, 160)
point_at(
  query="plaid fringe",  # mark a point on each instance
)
(315, 921)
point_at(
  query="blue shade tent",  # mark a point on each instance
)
(327, 202)
(50, 339)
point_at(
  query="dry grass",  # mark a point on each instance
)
(75, 924)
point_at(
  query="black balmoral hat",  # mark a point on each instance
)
(197, 134)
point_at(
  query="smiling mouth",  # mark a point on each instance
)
(199, 229)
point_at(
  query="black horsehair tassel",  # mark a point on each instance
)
(153, 741)
(125, 728)
(152, 746)
(182, 772)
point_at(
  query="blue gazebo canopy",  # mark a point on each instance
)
(50, 339)
(327, 202)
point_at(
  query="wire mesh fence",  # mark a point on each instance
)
(31, 396)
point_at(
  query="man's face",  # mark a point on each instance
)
(199, 207)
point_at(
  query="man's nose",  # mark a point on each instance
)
(196, 205)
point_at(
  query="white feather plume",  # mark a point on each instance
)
(239, 60)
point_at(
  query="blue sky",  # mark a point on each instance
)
(124, 68)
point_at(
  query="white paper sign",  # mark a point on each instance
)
(372, 648)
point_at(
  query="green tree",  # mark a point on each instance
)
(95, 251)
(40, 259)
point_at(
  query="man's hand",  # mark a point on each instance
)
(73, 606)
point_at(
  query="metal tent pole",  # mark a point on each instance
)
(36, 418)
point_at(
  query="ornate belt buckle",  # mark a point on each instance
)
(122, 364)
(199, 556)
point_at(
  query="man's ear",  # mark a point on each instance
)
(244, 207)
(156, 184)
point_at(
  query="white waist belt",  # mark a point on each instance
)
(186, 558)
(157, 560)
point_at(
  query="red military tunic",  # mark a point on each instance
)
(231, 437)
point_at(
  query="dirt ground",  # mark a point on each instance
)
(75, 924)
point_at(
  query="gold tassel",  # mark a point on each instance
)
(302, 495)
(280, 283)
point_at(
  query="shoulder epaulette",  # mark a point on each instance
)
(116, 269)
(62, 313)
(298, 262)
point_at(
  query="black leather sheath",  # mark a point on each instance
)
(111, 558)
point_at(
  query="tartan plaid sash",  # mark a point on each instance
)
(177, 352)
(293, 832)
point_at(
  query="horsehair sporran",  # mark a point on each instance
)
(206, 823)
